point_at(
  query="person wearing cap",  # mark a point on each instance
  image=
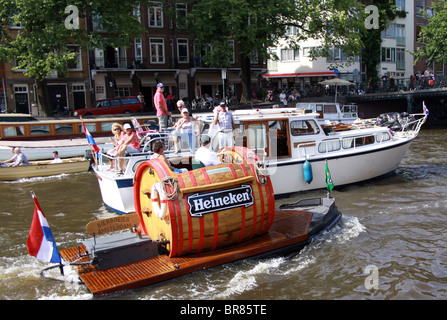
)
(161, 106)
(185, 129)
(128, 144)
(224, 119)
(206, 155)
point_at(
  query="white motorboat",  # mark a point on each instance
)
(294, 147)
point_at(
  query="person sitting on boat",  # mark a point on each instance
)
(206, 155)
(224, 118)
(118, 133)
(56, 158)
(185, 129)
(158, 148)
(128, 144)
(19, 159)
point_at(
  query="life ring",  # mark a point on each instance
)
(156, 197)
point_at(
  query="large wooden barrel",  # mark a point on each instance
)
(206, 208)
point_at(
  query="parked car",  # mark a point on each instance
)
(112, 105)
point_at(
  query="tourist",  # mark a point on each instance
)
(283, 98)
(158, 148)
(185, 130)
(163, 113)
(118, 133)
(141, 98)
(128, 144)
(19, 159)
(224, 119)
(56, 158)
(206, 155)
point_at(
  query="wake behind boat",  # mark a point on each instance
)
(295, 148)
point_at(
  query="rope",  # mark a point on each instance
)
(171, 182)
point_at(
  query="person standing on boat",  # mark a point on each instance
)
(19, 159)
(158, 148)
(161, 106)
(56, 158)
(224, 118)
(185, 129)
(205, 155)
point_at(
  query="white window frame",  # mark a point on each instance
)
(182, 42)
(154, 9)
(159, 42)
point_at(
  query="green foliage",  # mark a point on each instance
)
(372, 40)
(434, 35)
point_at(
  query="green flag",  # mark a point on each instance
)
(329, 183)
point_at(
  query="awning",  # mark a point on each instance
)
(209, 78)
(299, 75)
(168, 79)
(147, 79)
(233, 77)
(123, 80)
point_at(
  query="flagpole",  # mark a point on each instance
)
(91, 148)
(61, 266)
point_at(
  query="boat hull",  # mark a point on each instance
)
(44, 169)
(344, 170)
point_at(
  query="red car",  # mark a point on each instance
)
(112, 105)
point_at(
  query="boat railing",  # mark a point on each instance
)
(411, 128)
(147, 143)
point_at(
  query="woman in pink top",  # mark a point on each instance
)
(128, 144)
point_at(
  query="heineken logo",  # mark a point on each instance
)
(206, 202)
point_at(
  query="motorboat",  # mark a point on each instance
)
(295, 147)
(44, 168)
(187, 222)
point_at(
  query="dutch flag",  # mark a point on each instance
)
(41, 243)
(90, 139)
(424, 108)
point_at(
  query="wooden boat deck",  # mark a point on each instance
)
(289, 228)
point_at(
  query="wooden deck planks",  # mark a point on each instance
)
(290, 227)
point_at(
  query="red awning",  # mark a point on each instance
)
(299, 74)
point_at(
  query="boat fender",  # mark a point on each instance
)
(307, 171)
(156, 197)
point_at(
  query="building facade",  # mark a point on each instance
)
(296, 69)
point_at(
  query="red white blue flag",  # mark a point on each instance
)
(90, 139)
(424, 108)
(41, 243)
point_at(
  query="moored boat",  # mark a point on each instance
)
(295, 147)
(39, 138)
(44, 169)
(191, 221)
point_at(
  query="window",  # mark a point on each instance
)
(76, 65)
(380, 137)
(182, 50)
(303, 127)
(400, 5)
(388, 55)
(157, 48)
(155, 15)
(120, 92)
(232, 58)
(138, 51)
(180, 14)
(329, 145)
(357, 142)
(38, 130)
(400, 59)
(290, 55)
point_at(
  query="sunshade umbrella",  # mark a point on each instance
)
(336, 82)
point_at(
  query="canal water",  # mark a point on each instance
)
(390, 244)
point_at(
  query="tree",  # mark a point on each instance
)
(257, 25)
(434, 35)
(41, 45)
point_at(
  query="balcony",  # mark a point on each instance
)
(121, 63)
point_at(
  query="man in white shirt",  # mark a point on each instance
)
(204, 154)
(56, 157)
